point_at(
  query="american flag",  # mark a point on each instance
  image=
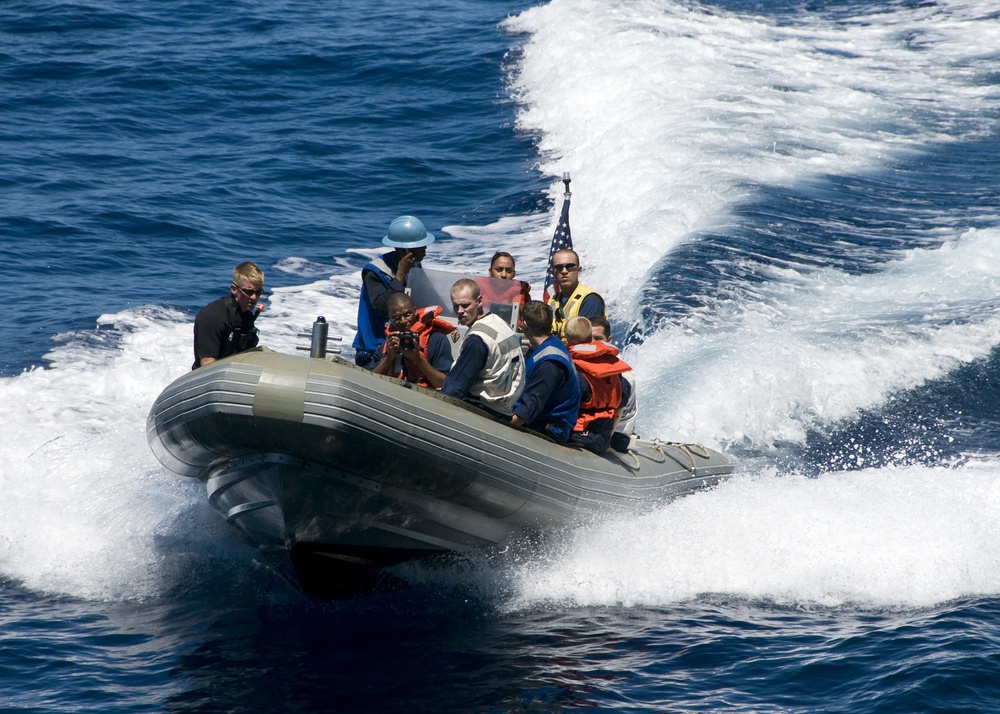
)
(561, 240)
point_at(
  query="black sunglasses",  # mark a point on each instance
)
(563, 266)
(250, 293)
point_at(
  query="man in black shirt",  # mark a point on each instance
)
(226, 326)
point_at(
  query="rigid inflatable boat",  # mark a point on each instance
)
(328, 467)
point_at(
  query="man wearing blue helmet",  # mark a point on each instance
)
(382, 277)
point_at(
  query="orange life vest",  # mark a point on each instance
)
(427, 323)
(599, 364)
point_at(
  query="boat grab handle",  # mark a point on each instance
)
(632, 461)
(686, 449)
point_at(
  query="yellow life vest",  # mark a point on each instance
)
(572, 308)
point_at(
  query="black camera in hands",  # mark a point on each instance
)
(408, 340)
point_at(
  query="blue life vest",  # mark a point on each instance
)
(563, 408)
(371, 323)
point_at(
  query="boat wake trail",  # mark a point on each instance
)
(880, 538)
(87, 511)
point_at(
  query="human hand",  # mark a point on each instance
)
(405, 263)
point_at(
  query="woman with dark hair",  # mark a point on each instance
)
(502, 268)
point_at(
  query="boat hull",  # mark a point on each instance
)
(324, 464)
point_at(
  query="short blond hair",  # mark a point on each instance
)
(250, 272)
(467, 284)
(577, 330)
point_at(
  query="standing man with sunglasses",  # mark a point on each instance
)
(573, 299)
(226, 326)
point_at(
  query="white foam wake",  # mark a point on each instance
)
(906, 537)
(815, 348)
(669, 113)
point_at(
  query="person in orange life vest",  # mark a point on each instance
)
(600, 330)
(603, 389)
(572, 297)
(425, 360)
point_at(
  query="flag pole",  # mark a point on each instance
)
(561, 240)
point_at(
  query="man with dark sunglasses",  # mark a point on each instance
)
(226, 326)
(573, 298)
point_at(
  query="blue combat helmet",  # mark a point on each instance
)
(407, 232)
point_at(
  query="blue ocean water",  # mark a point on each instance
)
(792, 211)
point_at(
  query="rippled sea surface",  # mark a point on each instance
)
(791, 209)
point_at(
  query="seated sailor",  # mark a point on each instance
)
(551, 399)
(490, 367)
(572, 298)
(381, 278)
(226, 326)
(600, 330)
(502, 268)
(603, 387)
(417, 347)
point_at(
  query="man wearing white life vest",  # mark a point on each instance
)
(573, 298)
(600, 330)
(417, 347)
(603, 388)
(490, 367)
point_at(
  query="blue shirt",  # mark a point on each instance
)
(557, 392)
(467, 367)
(546, 379)
(590, 306)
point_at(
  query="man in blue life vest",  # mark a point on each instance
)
(603, 388)
(382, 277)
(490, 367)
(417, 347)
(573, 298)
(550, 403)
(226, 326)
(600, 330)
